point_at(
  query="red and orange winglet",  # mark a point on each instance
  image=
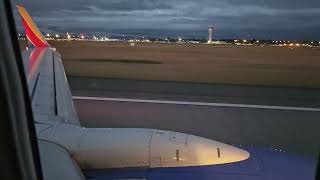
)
(31, 30)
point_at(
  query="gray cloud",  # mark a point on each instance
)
(229, 17)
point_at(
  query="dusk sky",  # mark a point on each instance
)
(269, 19)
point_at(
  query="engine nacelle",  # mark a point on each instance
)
(103, 148)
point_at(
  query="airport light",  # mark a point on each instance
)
(47, 35)
(68, 36)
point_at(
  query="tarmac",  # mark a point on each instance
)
(274, 117)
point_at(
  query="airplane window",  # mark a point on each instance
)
(179, 89)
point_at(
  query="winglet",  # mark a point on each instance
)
(32, 32)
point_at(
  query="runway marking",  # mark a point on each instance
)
(197, 103)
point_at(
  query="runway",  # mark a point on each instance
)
(196, 103)
(194, 92)
(245, 117)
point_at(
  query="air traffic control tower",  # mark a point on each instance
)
(210, 31)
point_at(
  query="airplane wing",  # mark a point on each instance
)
(48, 86)
(51, 101)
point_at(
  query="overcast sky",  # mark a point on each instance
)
(298, 19)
